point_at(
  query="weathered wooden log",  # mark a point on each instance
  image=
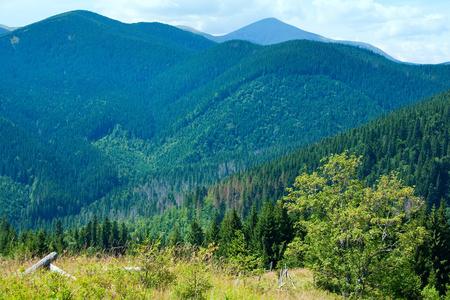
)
(43, 263)
(54, 268)
(133, 268)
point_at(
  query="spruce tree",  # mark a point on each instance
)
(115, 234)
(95, 230)
(213, 232)
(59, 237)
(284, 229)
(249, 228)
(4, 235)
(123, 236)
(439, 247)
(265, 235)
(41, 243)
(106, 229)
(195, 235)
(230, 224)
(176, 238)
(31, 242)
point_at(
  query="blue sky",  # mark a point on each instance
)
(415, 31)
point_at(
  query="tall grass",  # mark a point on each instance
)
(165, 274)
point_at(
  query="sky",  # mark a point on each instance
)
(416, 31)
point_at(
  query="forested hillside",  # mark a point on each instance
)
(122, 119)
(414, 141)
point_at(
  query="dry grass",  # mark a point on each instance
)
(105, 278)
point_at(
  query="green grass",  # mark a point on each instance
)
(196, 277)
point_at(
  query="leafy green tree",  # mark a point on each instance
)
(359, 239)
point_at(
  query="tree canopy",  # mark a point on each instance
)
(358, 239)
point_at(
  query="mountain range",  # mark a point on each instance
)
(271, 31)
(3, 30)
(98, 116)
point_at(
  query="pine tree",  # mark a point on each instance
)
(4, 235)
(176, 238)
(230, 224)
(95, 230)
(284, 229)
(439, 246)
(265, 235)
(249, 227)
(123, 236)
(195, 235)
(213, 232)
(115, 234)
(76, 236)
(106, 229)
(31, 242)
(59, 237)
(41, 243)
(86, 235)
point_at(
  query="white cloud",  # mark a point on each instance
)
(419, 51)
(420, 25)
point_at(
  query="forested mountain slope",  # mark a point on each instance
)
(127, 116)
(414, 141)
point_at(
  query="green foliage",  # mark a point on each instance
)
(176, 239)
(195, 235)
(194, 281)
(357, 239)
(155, 265)
(129, 117)
(212, 234)
(432, 258)
(240, 256)
(400, 141)
(228, 228)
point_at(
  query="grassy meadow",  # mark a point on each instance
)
(162, 276)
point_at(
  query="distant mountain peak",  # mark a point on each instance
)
(270, 31)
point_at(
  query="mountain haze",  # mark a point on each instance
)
(122, 119)
(271, 31)
(3, 31)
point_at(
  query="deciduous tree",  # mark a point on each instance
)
(359, 239)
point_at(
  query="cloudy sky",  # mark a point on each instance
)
(410, 30)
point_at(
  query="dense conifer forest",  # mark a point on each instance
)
(100, 114)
